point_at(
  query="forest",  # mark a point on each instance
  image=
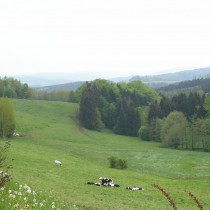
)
(177, 119)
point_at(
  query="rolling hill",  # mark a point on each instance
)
(49, 131)
(154, 81)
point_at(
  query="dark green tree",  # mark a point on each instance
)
(89, 115)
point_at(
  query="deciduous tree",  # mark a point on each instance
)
(7, 118)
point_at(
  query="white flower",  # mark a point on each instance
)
(10, 195)
(10, 191)
(28, 190)
(41, 204)
(53, 206)
(16, 205)
(2, 188)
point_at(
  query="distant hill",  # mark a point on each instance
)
(58, 81)
(67, 86)
(202, 83)
(157, 81)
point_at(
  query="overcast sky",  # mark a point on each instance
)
(104, 38)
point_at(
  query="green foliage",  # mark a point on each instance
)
(90, 116)
(7, 118)
(144, 93)
(120, 105)
(117, 163)
(207, 104)
(4, 166)
(144, 133)
(57, 95)
(173, 130)
(13, 88)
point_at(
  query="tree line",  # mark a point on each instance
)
(178, 120)
(13, 88)
(133, 109)
(114, 106)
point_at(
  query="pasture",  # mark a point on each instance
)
(50, 131)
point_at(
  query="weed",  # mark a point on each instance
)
(196, 201)
(169, 199)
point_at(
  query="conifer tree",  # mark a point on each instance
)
(90, 117)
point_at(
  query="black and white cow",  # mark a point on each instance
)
(134, 188)
(105, 181)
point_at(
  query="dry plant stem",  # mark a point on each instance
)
(169, 199)
(196, 201)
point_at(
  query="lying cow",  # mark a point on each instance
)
(105, 181)
(107, 185)
(134, 188)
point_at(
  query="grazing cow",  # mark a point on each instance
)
(134, 188)
(58, 162)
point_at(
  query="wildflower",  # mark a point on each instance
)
(10, 191)
(10, 195)
(41, 204)
(28, 190)
(16, 205)
(53, 206)
(2, 188)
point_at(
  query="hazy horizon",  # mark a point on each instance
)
(112, 38)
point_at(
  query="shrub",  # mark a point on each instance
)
(4, 167)
(118, 163)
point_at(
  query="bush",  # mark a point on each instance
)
(4, 167)
(118, 163)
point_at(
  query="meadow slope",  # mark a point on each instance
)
(50, 131)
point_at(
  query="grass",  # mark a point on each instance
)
(49, 131)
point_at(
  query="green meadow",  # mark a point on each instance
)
(49, 131)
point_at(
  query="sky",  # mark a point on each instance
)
(103, 38)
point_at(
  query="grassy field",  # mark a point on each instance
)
(49, 131)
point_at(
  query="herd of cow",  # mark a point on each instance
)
(109, 183)
(106, 182)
